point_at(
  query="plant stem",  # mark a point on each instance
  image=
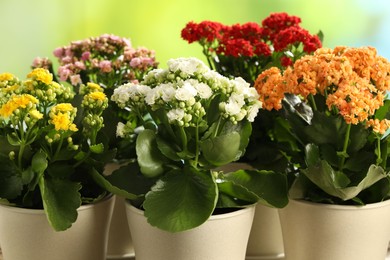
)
(183, 137)
(58, 148)
(206, 53)
(344, 152)
(313, 102)
(196, 144)
(22, 144)
(217, 128)
(378, 159)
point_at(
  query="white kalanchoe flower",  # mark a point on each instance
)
(252, 111)
(188, 66)
(124, 130)
(232, 108)
(186, 92)
(176, 115)
(130, 94)
(120, 130)
(154, 76)
(204, 91)
(167, 92)
(153, 96)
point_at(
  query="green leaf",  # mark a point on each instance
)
(335, 183)
(10, 183)
(149, 157)
(126, 182)
(27, 175)
(326, 129)
(182, 199)
(243, 128)
(222, 149)
(358, 138)
(234, 195)
(60, 170)
(80, 156)
(384, 111)
(39, 162)
(270, 187)
(312, 154)
(97, 148)
(167, 148)
(61, 199)
(13, 140)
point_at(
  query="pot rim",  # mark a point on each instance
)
(342, 207)
(42, 211)
(239, 211)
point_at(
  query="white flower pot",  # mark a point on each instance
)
(222, 237)
(265, 240)
(26, 234)
(322, 232)
(120, 243)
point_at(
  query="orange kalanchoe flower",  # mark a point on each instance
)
(354, 82)
(271, 89)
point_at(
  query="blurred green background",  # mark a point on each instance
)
(36, 28)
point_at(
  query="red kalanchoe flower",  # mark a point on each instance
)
(262, 49)
(277, 22)
(248, 31)
(286, 61)
(205, 31)
(236, 48)
(311, 44)
(294, 35)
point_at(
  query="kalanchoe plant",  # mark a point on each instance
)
(197, 120)
(107, 60)
(50, 142)
(339, 124)
(246, 50)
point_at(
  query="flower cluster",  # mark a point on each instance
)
(193, 120)
(246, 49)
(353, 81)
(45, 148)
(185, 90)
(108, 60)
(337, 113)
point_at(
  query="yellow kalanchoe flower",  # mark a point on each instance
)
(94, 87)
(62, 116)
(6, 76)
(36, 114)
(62, 121)
(42, 75)
(16, 102)
(63, 107)
(97, 96)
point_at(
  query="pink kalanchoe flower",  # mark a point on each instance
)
(79, 65)
(75, 80)
(64, 73)
(135, 62)
(85, 56)
(59, 52)
(106, 60)
(105, 66)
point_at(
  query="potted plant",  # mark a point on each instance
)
(109, 61)
(339, 127)
(51, 141)
(193, 120)
(246, 50)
